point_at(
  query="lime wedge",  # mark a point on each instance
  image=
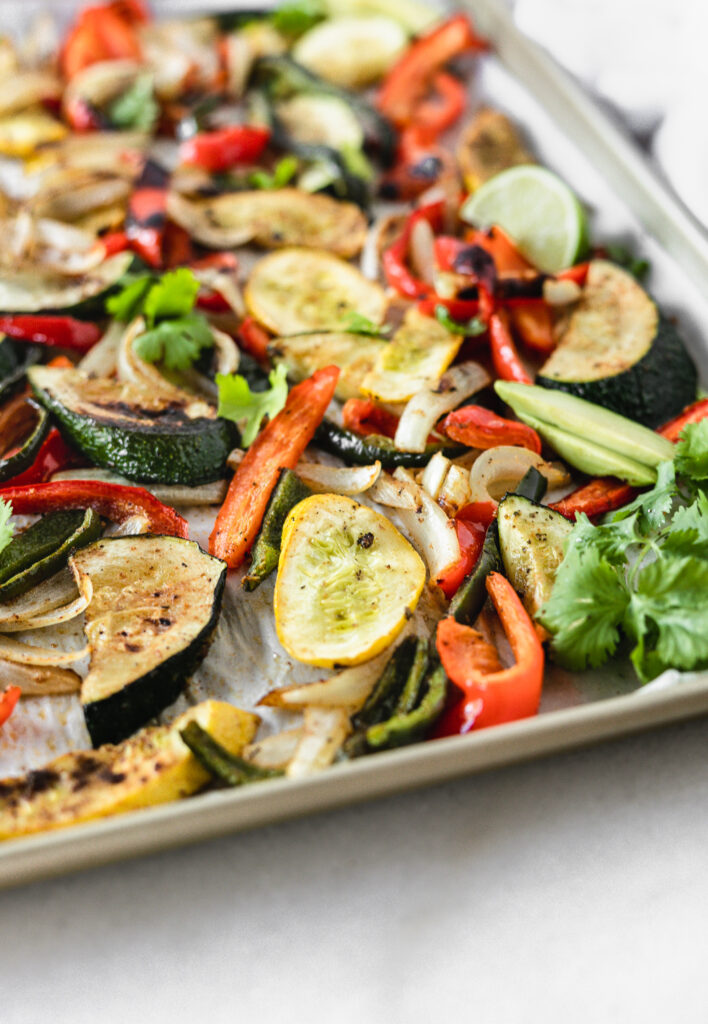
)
(537, 209)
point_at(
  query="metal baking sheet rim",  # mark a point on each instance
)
(219, 813)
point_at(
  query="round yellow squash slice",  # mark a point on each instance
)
(347, 582)
(297, 290)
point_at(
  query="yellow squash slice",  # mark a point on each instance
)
(347, 582)
(152, 767)
(299, 289)
(273, 219)
(420, 352)
(354, 354)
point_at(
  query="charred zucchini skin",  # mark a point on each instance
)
(654, 390)
(172, 450)
(114, 718)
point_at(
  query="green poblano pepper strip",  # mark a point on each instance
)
(289, 491)
(382, 701)
(362, 451)
(223, 765)
(411, 690)
(402, 729)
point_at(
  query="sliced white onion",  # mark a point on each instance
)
(235, 458)
(133, 526)
(64, 201)
(455, 491)
(171, 494)
(102, 359)
(561, 293)
(100, 82)
(499, 470)
(238, 58)
(225, 282)
(347, 689)
(425, 522)
(63, 614)
(426, 407)
(26, 88)
(421, 251)
(273, 752)
(53, 593)
(434, 474)
(28, 654)
(324, 732)
(227, 352)
(38, 680)
(338, 479)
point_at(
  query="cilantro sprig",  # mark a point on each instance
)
(6, 527)
(246, 408)
(175, 334)
(136, 107)
(640, 577)
(470, 328)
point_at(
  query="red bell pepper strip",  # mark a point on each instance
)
(459, 309)
(82, 116)
(492, 694)
(406, 84)
(444, 105)
(56, 331)
(8, 700)
(100, 33)
(114, 242)
(691, 414)
(446, 249)
(533, 323)
(254, 339)
(208, 299)
(113, 501)
(278, 446)
(366, 417)
(607, 493)
(578, 273)
(53, 455)
(504, 355)
(477, 427)
(502, 249)
(395, 268)
(221, 149)
(483, 512)
(420, 162)
(471, 538)
(146, 219)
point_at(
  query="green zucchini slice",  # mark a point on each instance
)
(126, 428)
(153, 605)
(618, 350)
(531, 539)
(44, 548)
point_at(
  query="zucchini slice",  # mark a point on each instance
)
(352, 52)
(44, 548)
(618, 351)
(354, 354)
(347, 582)
(153, 605)
(313, 120)
(531, 539)
(297, 290)
(129, 429)
(30, 291)
(152, 768)
(418, 355)
(272, 219)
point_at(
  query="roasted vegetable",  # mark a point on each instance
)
(531, 540)
(153, 605)
(489, 144)
(220, 762)
(23, 430)
(130, 429)
(619, 351)
(154, 767)
(266, 551)
(354, 354)
(347, 582)
(363, 451)
(44, 548)
(30, 291)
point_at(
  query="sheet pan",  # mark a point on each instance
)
(575, 138)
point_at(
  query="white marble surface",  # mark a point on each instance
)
(572, 890)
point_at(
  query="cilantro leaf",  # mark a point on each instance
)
(691, 459)
(177, 343)
(653, 505)
(357, 323)
(173, 295)
(610, 540)
(624, 257)
(126, 304)
(284, 170)
(471, 328)
(586, 607)
(6, 527)
(247, 408)
(687, 533)
(668, 616)
(136, 107)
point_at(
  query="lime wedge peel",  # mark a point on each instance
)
(538, 210)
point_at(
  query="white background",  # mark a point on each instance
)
(571, 889)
